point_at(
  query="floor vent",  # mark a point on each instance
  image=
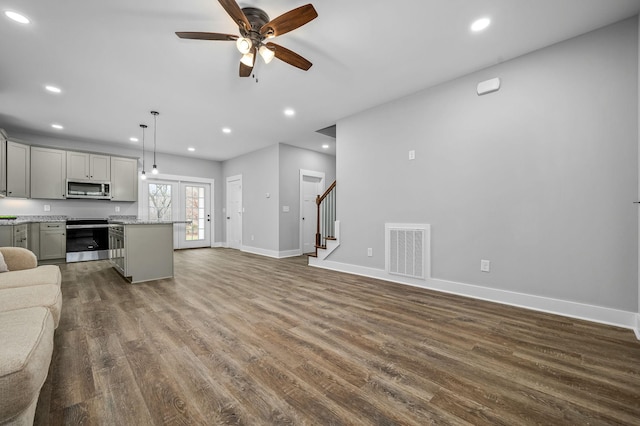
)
(407, 250)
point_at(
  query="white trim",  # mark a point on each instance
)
(303, 173)
(599, 314)
(270, 253)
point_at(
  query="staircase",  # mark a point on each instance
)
(327, 229)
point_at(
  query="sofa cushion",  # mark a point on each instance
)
(45, 274)
(25, 355)
(48, 296)
(18, 258)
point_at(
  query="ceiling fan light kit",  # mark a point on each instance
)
(255, 27)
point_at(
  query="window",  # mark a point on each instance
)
(160, 201)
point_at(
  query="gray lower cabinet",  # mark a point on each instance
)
(142, 252)
(53, 241)
(21, 235)
(15, 235)
(34, 238)
(6, 235)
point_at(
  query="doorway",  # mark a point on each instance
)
(180, 201)
(234, 212)
(196, 231)
(311, 185)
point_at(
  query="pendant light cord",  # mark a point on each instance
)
(155, 128)
(143, 126)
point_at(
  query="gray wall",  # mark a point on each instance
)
(538, 178)
(293, 159)
(259, 170)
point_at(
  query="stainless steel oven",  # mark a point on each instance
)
(87, 239)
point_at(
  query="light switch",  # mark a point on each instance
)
(285, 209)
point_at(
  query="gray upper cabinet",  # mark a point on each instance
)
(86, 166)
(124, 179)
(48, 172)
(18, 170)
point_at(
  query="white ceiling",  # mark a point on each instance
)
(116, 60)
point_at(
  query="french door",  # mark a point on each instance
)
(186, 203)
(197, 229)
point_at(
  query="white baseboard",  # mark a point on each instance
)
(599, 314)
(217, 245)
(271, 253)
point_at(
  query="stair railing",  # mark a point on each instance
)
(326, 205)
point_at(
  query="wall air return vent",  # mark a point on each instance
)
(407, 248)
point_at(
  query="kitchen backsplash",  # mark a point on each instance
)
(70, 208)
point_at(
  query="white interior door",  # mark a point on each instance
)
(195, 210)
(311, 185)
(234, 212)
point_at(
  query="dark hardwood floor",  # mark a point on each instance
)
(242, 339)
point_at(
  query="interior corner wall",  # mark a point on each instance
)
(292, 159)
(259, 170)
(539, 177)
(638, 199)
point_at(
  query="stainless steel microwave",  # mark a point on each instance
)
(93, 189)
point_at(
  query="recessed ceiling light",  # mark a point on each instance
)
(53, 89)
(480, 24)
(226, 130)
(132, 139)
(17, 17)
(57, 126)
(191, 149)
(289, 112)
(325, 146)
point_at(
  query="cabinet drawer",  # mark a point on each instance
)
(52, 226)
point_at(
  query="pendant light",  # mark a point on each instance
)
(143, 176)
(155, 126)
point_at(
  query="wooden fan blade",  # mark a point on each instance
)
(236, 13)
(206, 36)
(290, 57)
(245, 70)
(289, 21)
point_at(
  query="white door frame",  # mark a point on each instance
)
(226, 213)
(182, 230)
(179, 179)
(303, 173)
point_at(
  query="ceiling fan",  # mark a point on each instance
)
(255, 28)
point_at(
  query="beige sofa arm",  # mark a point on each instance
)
(18, 258)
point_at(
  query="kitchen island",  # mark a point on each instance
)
(141, 250)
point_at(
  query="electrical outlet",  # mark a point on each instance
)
(369, 252)
(485, 265)
(252, 238)
(412, 155)
(47, 207)
(117, 209)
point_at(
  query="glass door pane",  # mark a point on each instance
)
(195, 212)
(160, 201)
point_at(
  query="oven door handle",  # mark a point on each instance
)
(106, 225)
